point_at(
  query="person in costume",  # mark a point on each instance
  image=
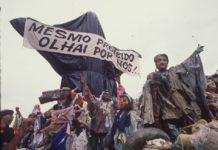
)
(123, 123)
(174, 97)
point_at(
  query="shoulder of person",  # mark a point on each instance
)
(132, 113)
(150, 75)
(172, 68)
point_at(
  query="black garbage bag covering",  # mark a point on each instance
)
(99, 74)
(137, 140)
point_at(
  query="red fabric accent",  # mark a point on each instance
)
(120, 91)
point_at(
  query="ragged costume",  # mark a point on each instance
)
(175, 96)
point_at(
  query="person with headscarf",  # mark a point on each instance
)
(122, 124)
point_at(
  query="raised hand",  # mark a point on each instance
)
(199, 49)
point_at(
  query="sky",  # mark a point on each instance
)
(150, 27)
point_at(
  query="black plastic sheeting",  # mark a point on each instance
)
(99, 74)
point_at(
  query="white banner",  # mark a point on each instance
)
(53, 39)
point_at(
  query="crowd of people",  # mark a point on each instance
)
(171, 99)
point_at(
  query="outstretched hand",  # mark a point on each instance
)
(199, 49)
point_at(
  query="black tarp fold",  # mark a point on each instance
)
(99, 74)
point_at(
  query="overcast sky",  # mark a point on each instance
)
(174, 27)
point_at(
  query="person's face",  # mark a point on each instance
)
(161, 63)
(7, 119)
(123, 103)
